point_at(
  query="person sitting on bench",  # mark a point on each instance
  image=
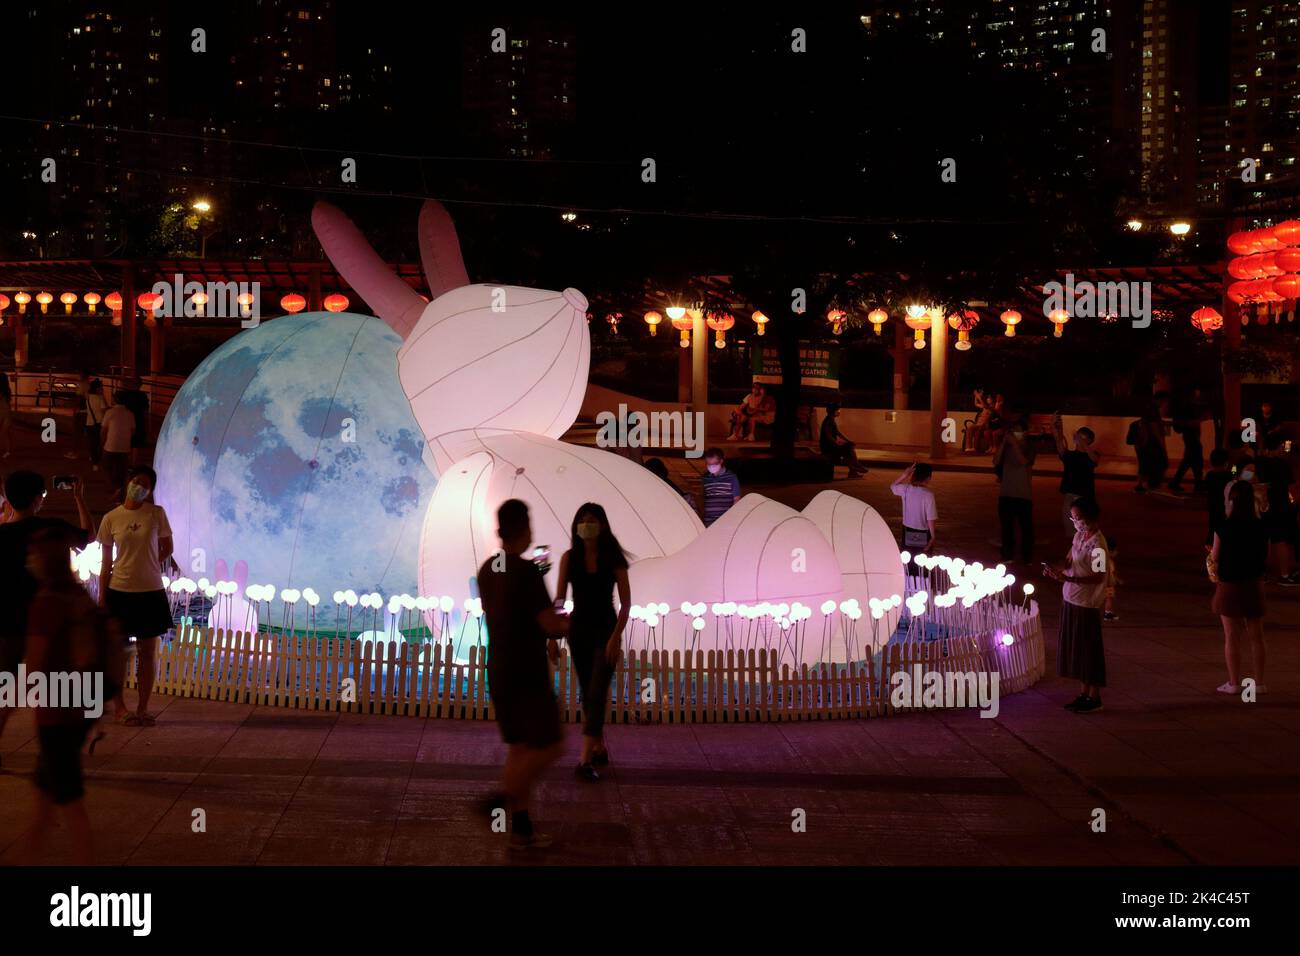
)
(836, 447)
(757, 408)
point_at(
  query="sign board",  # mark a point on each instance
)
(819, 365)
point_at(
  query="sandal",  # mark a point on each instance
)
(132, 720)
(146, 720)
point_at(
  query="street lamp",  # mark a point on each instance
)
(1180, 228)
(203, 208)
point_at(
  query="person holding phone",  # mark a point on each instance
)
(595, 566)
(522, 628)
(137, 539)
(24, 497)
(1083, 577)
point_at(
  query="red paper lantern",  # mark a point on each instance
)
(1010, 318)
(293, 303)
(1058, 318)
(1287, 233)
(1287, 286)
(1243, 267)
(1207, 320)
(69, 299)
(1288, 260)
(962, 323)
(720, 322)
(336, 302)
(837, 318)
(877, 318)
(1241, 243)
(1265, 241)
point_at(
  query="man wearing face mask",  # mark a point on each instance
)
(137, 539)
(721, 487)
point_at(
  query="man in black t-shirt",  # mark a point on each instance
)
(522, 626)
(24, 496)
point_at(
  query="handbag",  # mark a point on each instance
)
(1212, 568)
(915, 539)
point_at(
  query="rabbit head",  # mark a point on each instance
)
(478, 359)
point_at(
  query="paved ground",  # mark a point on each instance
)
(1184, 774)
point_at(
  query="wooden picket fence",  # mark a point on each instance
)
(649, 686)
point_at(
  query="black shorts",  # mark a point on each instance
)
(141, 614)
(528, 715)
(58, 768)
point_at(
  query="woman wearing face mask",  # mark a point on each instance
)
(1236, 564)
(137, 539)
(1083, 594)
(594, 565)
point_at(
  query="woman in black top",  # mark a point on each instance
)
(594, 565)
(1240, 551)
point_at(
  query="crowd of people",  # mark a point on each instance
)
(48, 619)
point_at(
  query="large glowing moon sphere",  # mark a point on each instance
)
(292, 448)
(484, 359)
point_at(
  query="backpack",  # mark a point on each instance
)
(1134, 435)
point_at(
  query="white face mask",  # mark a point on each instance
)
(588, 530)
(1247, 475)
(715, 469)
(137, 493)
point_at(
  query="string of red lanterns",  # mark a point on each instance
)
(1266, 266)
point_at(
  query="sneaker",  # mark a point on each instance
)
(1090, 705)
(1110, 616)
(1076, 703)
(1228, 688)
(586, 772)
(600, 758)
(533, 841)
(1292, 580)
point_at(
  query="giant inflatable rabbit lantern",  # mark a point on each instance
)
(496, 374)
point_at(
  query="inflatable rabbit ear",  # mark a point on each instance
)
(392, 299)
(444, 269)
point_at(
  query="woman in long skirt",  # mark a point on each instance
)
(1083, 576)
